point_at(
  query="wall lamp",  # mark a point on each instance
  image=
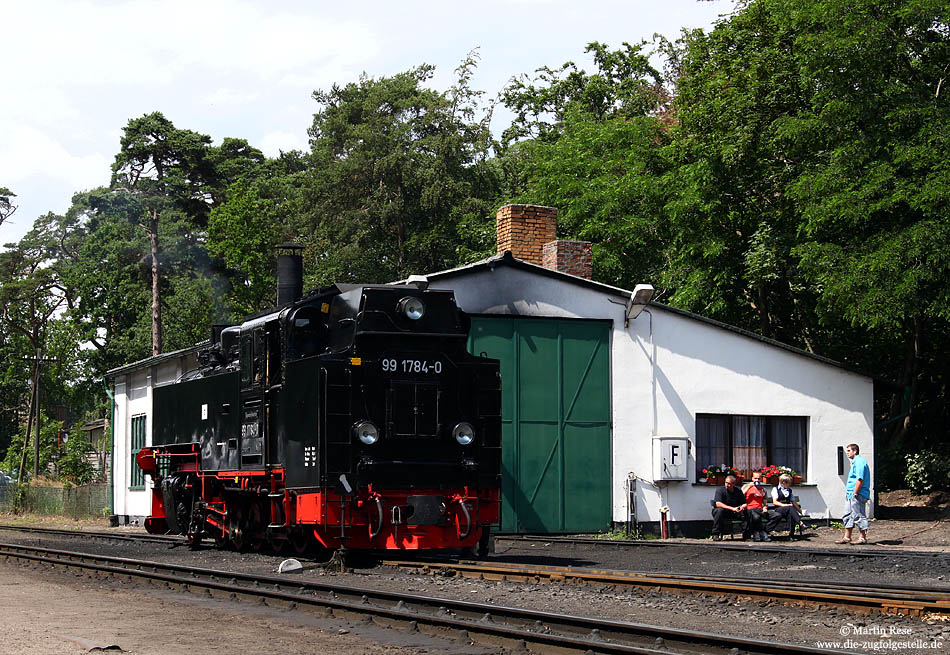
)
(639, 299)
(418, 281)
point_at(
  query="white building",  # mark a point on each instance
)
(132, 427)
(731, 395)
(587, 391)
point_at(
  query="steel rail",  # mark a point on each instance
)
(465, 619)
(95, 534)
(770, 547)
(885, 598)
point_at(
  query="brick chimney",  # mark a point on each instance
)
(572, 257)
(524, 229)
(530, 233)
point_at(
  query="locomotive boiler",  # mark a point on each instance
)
(351, 418)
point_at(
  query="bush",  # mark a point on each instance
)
(73, 465)
(927, 471)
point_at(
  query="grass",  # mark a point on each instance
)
(620, 534)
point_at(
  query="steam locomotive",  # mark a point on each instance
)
(351, 418)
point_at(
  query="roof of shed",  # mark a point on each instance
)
(154, 359)
(507, 259)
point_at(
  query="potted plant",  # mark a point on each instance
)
(796, 478)
(716, 474)
(771, 473)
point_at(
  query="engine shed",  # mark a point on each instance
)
(612, 405)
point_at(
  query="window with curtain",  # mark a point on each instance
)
(750, 442)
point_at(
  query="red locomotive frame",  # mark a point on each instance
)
(250, 508)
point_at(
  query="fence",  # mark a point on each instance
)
(75, 502)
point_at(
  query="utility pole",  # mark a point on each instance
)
(34, 411)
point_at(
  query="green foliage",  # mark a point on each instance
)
(927, 471)
(596, 153)
(6, 204)
(73, 465)
(789, 173)
(49, 437)
(624, 86)
(243, 232)
(395, 167)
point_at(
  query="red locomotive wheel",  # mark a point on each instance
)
(255, 526)
(236, 527)
(301, 541)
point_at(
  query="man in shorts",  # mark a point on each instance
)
(857, 493)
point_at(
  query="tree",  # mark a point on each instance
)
(812, 173)
(107, 274)
(30, 294)
(6, 204)
(167, 170)
(394, 168)
(625, 85)
(593, 147)
(258, 211)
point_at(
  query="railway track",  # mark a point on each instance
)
(468, 621)
(109, 536)
(888, 599)
(585, 541)
(912, 600)
(771, 547)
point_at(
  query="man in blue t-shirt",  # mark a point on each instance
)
(857, 492)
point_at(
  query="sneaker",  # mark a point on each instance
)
(765, 536)
(757, 537)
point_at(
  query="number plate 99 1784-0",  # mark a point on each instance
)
(410, 366)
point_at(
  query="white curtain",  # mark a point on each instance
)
(748, 444)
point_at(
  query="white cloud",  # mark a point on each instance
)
(231, 97)
(273, 143)
(26, 152)
(155, 41)
(245, 68)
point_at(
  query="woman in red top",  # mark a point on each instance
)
(755, 501)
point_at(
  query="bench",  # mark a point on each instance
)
(736, 523)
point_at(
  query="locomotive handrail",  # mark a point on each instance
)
(468, 517)
(379, 506)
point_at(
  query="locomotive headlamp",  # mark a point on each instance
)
(464, 433)
(411, 308)
(366, 432)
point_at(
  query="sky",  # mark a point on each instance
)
(75, 72)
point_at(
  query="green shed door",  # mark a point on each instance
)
(555, 421)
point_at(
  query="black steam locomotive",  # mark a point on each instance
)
(353, 417)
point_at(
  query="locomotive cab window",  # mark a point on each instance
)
(253, 357)
(247, 357)
(308, 334)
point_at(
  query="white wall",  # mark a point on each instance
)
(700, 368)
(133, 397)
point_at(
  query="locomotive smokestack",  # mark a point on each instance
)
(289, 273)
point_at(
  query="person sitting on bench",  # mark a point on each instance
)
(785, 506)
(756, 511)
(730, 506)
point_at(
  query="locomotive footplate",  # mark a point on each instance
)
(425, 510)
